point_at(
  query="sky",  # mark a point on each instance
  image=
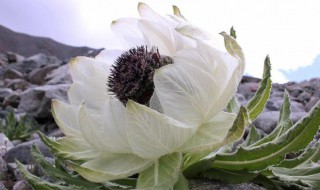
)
(287, 30)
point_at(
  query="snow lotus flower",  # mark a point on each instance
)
(163, 94)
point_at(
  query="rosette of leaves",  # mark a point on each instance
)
(264, 160)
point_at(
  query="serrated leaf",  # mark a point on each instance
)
(260, 98)
(38, 183)
(233, 33)
(268, 183)
(284, 122)
(125, 182)
(195, 163)
(309, 155)
(163, 174)
(260, 157)
(229, 176)
(308, 174)
(57, 173)
(252, 137)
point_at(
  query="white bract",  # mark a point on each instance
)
(186, 114)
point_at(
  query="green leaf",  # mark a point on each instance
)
(233, 106)
(259, 100)
(182, 183)
(252, 137)
(233, 33)
(57, 173)
(126, 182)
(38, 183)
(195, 163)
(308, 174)
(229, 176)
(283, 125)
(163, 174)
(309, 155)
(260, 157)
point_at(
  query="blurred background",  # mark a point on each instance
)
(287, 30)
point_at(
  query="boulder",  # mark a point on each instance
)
(11, 73)
(5, 144)
(207, 184)
(22, 152)
(37, 76)
(34, 62)
(36, 101)
(313, 100)
(16, 84)
(60, 75)
(4, 92)
(267, 121)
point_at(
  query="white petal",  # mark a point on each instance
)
(151, 134)
(149, 14)
(198, 34)
(194, 32)
(210, 135)
(105, 130)
(76, 149)
(165, 38)
(110, 167)
(66, 116)
(108, 56)
(90, 76)
(185, 91)
(235, 68)
(146, 13)
(192, 89)
(126, 29)
(75, 94)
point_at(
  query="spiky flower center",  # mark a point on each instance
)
(132, 74)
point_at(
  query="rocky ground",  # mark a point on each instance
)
(28, 84)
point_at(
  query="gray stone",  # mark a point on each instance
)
(22, 185)
(10, 73)
(34, 62)
(37, 101)
(313, 100)
(274, 103)
(22, 152)
(3, 167)
(276, 87)
(241, 99)
(304, 97)
(297, 107)
(16, 84)
(2, 186)
(294, 89)
(39, 61)
(267, 121)
(296, 116)
(14, 57)
(317, 93)
(37, 76)
(277, 94)
(12, 100)
(5, 144)
(207, 184)
(60, 75)
(4, 92)
(248, 89)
